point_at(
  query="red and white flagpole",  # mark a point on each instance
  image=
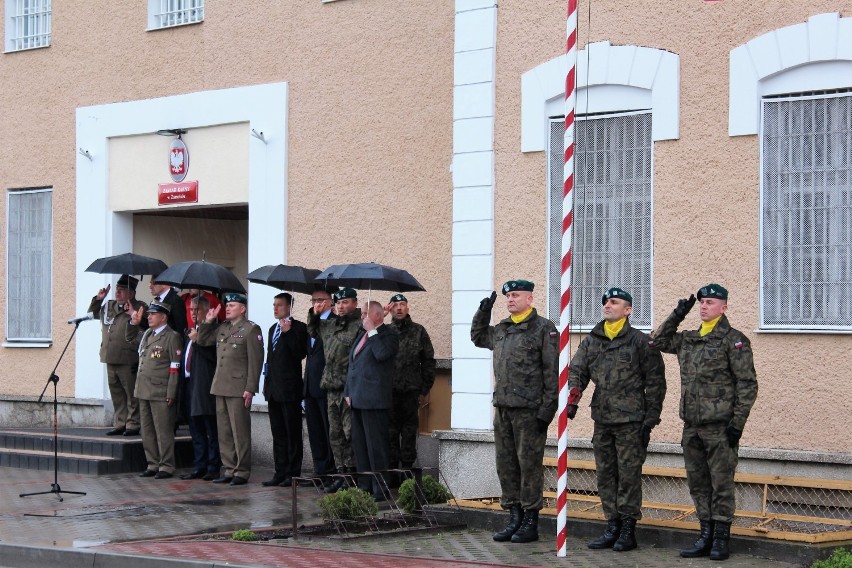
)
(565, 302)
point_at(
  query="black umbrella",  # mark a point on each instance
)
(283, 277)
(127, 263)
(370, 276)
(201, 274)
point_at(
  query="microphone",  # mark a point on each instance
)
(87, 317)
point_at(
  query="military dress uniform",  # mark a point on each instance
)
(718, 389)
(156, 382)
(120, 358)
(414, 377)
(239, 361)
(630, 386)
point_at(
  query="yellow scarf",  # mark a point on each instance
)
(518, 318)
(613, 329)
(707, 326)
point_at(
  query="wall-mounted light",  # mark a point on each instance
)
(85, 154)
(171, 132)
(258, 135)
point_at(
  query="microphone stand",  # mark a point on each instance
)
(54, 378)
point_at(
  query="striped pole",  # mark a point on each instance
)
(565, 302)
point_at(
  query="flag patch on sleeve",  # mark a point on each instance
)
(553, 334)
(738, 345)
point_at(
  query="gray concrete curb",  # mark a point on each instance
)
(20, 556)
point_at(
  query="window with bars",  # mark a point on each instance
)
(29, 232)
(28, 24)
(612, 236)
(806, 212)
(170, 13)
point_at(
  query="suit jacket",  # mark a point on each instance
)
(239, 355)
(177, 315)
(369, 382)
(159, 362)
(115, 349)
(284, 363)
(315, 365)
(202, 367)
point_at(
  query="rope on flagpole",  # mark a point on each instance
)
(565, 301)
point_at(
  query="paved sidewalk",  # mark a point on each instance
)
(126, 514)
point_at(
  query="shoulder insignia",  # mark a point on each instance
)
(178, 352)
(738, 345)
(554, 334)
(260, 337)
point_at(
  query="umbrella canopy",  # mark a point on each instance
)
(370, 276)
(201, 274)
(283, 277)
(127, 263)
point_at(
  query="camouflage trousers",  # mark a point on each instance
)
(619, 456)
(404, 425)
(340, 429)
(520, 452)
(710, 466)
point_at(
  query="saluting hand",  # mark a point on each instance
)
(103, 292)
(213, 314)
(135, 316)
(388, 307)
(684, 305)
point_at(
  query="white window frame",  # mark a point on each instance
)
(17, 16)
(158, 8)
(575, 258)
(800, 327)
(24, 341)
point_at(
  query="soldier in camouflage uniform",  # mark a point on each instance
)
(630, 385)
(526, 373)
(414, 377)
(718, 389)
(337, 336)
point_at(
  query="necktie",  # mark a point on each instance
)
(276, 336)
(361, 343)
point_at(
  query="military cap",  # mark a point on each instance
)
(713, 291)
(398, 298)
(518, 286)
(159, 308)
(236, 297)
(347, 293)
(127, 281)
(617, 293)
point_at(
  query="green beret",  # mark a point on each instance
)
(617, 293)
(398, 298)
(518, 286)
(159, 308)
(127, 281)
(713, 291)
(236, 297)
(347, 293)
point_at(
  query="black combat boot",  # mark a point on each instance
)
(703, 544)
(627, 538)
(515, 518)
(338, 483)
(608, 538)
(721, 536)
(529, 528)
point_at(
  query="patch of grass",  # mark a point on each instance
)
(841, 558)
(244, 535)
(433, 491)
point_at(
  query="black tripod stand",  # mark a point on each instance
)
(53, 378)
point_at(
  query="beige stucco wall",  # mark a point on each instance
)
(370, 130)
(706, 198)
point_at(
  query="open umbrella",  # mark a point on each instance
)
(127, 263)
(370, 276)
(201, 274)
(284, 277)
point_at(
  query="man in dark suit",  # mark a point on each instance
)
(288, 345)
(316, 404)
(369, 391)
(165, 294)
(199, 366)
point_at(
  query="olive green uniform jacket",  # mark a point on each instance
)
(159, 362)
(239, 355)
(115, 349)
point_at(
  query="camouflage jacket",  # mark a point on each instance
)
(526, 361)
(415, 361)
(629, 376)
(337, 336)
(717, 378)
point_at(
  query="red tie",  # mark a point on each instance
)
(361, 344)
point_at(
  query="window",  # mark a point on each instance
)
(170, 13)
(806, 212)
(28, 269)
(28, 24)
(612, 215)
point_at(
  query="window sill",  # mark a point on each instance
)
(174, 26)
(27, 344)
(26, 49)
(804, 331)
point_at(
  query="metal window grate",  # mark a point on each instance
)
(30, 23)
(29, 261)
(806, 213)
(612, 215)
(178, 12)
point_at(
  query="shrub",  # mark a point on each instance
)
(841, 558)
(348, 504)
(433, 491)
(244, 535)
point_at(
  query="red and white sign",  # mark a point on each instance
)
(178, 160)
(176, 193)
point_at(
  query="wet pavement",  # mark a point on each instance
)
(126, 514)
